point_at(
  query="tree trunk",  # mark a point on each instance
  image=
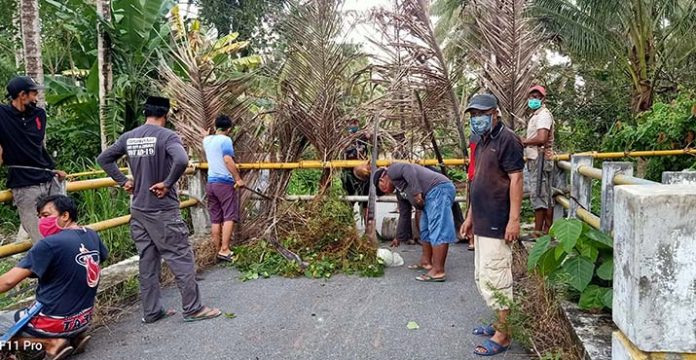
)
(18, 46)
(105, 68)
(31, 38)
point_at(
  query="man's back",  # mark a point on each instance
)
(216, 148)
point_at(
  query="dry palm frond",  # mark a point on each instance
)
(504, 43)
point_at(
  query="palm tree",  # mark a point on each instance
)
(104, 67)
(639, 36)
(31, 37)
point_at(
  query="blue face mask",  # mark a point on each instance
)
(353, 129)
(534, 103)
(481, 124)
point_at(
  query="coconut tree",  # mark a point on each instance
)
(31, 39)
(104, 67)
(645, 38)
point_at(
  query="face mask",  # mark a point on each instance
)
(534, 103)
(481, 124)
(353, 129)
(49, 226)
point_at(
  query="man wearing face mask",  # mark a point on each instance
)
(157, 159)
(22, 136)
(494, 215)
(539, 143)
(67, 265)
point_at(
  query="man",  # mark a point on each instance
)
(67, 265)
(494, 215)
(22, 136)
(223, 178)
(157, 160)
(433, 193)
(357, 150)
(539, 142)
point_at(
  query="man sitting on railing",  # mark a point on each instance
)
(67, 265)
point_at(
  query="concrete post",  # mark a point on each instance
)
(199, 214)
(679, 177)
(580, 186)
(609, 170)
(559, 182)
(654, 272)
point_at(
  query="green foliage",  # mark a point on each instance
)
(304, 182)
(326, 240)
(570, 256)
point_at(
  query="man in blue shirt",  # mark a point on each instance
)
(67, 265)
(223, 178)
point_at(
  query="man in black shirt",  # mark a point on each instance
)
(494, 215)
(31, 170)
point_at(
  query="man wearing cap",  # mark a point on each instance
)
(157, 160)
(494, 215)
(433, 193)
(31, 172)
(539, 153)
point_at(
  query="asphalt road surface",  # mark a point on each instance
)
(345, 317)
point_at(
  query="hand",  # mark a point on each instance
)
(420, 202)
(128, 186)
(467, 228)
(60, 174)
(160, 190)
(395, 243)
(239, 183)
(523, 140)
(512, 231)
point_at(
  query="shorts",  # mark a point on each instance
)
(25, 198)
(437, 221)
(223, 204)
(541, 198)
(493, 271)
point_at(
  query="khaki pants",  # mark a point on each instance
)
(493, 271)
(25, 199)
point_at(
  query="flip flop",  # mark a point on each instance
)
(81, 344)
(471, 248)
(418, 267)
(62, 354)
(486, 330)
(428, 278)
(163, 314)
(205, 314)
(492, 348)
(227, 257)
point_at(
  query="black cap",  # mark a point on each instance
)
(482, 102)
(378, 174)
(22, 83)
(157, 101)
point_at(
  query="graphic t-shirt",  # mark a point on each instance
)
(67, 265)
(216, 148)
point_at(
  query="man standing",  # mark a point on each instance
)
(22, 136)
(539, 153)
(223, 178)
(67, 265)
(433, 193)
(157, 159)
(494, 215)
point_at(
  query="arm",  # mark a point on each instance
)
(0, 155)
(228, 158)
(107, 160)
(513, 227)
(539, 139)
(403, 226)
(175, 149)
(13, 277)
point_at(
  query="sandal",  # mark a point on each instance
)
(485, 330)
(163, 314)
(491, 348)
(419, 267)
(62, 354)
(205, 314)
(471, 248)
(428, 278)
(80, 344)
(227, 257)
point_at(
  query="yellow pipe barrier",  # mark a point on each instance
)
(590, 172)
(318, 164)
(619, 155)
(584, 215)
(22, 246)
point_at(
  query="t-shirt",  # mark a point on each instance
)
(541, 119)
(216, 148)
(155, 154)
(498, 154)
(411, 179)
(473, 140)
(22, 140)
(67, 265)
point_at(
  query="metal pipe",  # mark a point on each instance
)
(22, 246)
(317, 164)
(348, 198)
(630, 180)
(564, 165)
(590, 172)
(619, 155)
(584, 215)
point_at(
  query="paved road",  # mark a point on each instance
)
(345, 317)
